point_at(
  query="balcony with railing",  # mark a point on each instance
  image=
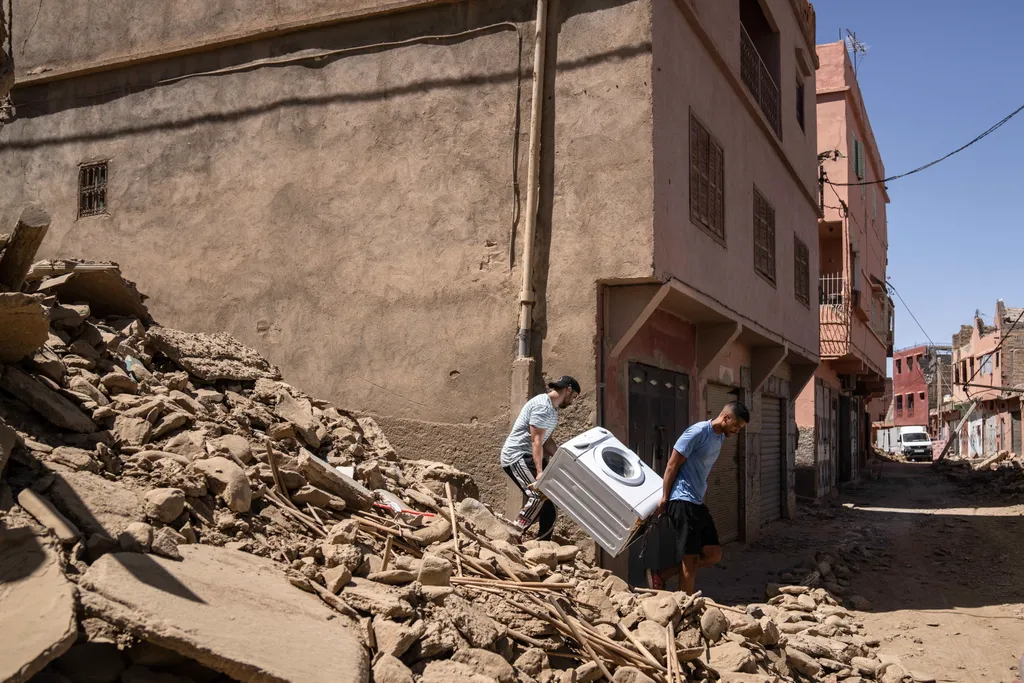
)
(834, 314)
(759, 81)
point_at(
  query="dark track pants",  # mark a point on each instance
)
(524, 473)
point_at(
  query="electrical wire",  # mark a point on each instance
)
(920, 327)
(988, 132)
(284, 61)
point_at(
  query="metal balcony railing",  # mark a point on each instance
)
(759, 81)
(834, 314)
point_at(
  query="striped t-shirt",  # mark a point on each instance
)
(538, 412)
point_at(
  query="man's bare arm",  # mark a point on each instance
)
(537, 444)
(675, 462)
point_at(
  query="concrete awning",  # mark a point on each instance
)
(718, 327)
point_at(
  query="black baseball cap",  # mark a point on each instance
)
(565, 381)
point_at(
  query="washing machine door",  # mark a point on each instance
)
(620, 464)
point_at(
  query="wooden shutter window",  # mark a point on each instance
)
(707, 180)
(801, 272)
(764, 237)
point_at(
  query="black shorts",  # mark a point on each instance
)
(683, 529)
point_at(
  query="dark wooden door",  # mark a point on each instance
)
(659, 409)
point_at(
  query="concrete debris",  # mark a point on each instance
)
(21, 248)
(37, 606)
(214, 517)
(211, 357)
(230, 611)
(50, 404)
(23, 326)
(98, 284)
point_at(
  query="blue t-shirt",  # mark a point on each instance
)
(701, 446)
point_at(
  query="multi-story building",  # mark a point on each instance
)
(988, 369)
(919, 374)
(855, 309)
(351, 190)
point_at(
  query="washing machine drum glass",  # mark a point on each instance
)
(620, 465)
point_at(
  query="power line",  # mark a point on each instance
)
(920, 327)
(988, 132)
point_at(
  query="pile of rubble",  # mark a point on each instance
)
(170, 510)
(1002, 473)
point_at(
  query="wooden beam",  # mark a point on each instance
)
(22, 247)
(712, 340)
(641, 320)
(764, 360)
(955, 434)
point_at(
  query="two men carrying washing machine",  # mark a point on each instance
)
(683, 538)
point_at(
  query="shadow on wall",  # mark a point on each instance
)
(33, 102)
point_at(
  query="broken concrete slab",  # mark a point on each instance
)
(37, 607)
(23, 326)
(482, 520)
(211, 356)
(323, 476)
(58, 410)
(8, 440)
(227, 480)
(102, 286)
(377, 599)
(299, 412)
(228, 610)
(95, 505)
(22, 247)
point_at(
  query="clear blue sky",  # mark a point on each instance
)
(938, 73)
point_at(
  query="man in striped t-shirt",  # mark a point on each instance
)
(522, 456)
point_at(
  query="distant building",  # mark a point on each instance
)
(918, 373)
(988, 365)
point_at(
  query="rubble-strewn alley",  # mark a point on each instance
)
(173, 511)
(940, 564)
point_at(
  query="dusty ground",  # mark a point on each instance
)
(948, 592)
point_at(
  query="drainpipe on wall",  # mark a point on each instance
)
(524, 365)
(527, 297)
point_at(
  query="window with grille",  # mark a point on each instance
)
(801, 271)
(707, 180)
(764, 237)
(910, 403)
(899, 405)
(92, 189)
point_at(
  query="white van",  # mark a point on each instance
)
(914, 443)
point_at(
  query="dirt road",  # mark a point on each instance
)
(947, 591)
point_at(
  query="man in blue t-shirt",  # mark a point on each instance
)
(687, 538)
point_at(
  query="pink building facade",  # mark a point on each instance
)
(988, 366)
(855, 311)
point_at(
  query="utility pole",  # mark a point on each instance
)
(938, 393)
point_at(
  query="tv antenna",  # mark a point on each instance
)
(858, 49)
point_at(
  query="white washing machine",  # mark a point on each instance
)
(603, 486)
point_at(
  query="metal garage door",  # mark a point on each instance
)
(771, 459)
(723, 495)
